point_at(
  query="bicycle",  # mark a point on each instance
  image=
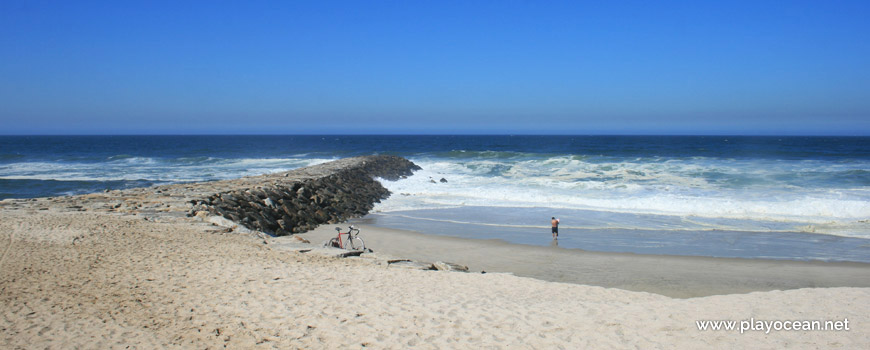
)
(353, 241)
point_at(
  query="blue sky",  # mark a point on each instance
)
(288, 67)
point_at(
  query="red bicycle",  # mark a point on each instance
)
(353, 241)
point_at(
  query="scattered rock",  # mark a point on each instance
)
(446, 266)
(350, 253)
(443, 180)
(412, 265)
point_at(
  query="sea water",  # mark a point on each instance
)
(804, 198)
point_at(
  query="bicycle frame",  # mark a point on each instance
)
(350, 234)
(352, 242)
(341, 243)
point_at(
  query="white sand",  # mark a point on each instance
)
(127, 282)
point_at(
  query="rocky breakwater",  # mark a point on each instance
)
(301, 199)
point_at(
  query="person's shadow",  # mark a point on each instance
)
(554, 243)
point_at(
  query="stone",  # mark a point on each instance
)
(446, 266)
(259, 193)
(320, 215)
(287, 208)
(412, 265)
(350, 253)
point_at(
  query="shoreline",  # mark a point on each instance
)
(722, 243)
(670, 275)
(74, 279)
(134, 269)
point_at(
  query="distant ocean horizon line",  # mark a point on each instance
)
(442, 134)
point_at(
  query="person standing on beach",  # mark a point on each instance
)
(555, 223)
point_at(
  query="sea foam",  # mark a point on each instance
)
(734, 191)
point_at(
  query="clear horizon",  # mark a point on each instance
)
(410, 68)
(456, 134)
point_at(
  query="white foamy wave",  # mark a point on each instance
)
(153, 169)
(133, 161)
(697, 187)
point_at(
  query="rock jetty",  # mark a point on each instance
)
(278, 204)
(299, 201)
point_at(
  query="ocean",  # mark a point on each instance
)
(799, 198)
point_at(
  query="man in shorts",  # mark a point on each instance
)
(555, 223)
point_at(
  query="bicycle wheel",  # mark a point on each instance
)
(332, 243)
(355, 243)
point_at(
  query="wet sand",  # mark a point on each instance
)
(669, 275)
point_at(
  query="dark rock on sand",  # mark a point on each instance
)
(337, 191)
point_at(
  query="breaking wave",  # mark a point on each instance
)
(805, 194)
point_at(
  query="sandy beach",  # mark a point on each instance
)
(669, 275)
(524, 175)
(97, 280)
